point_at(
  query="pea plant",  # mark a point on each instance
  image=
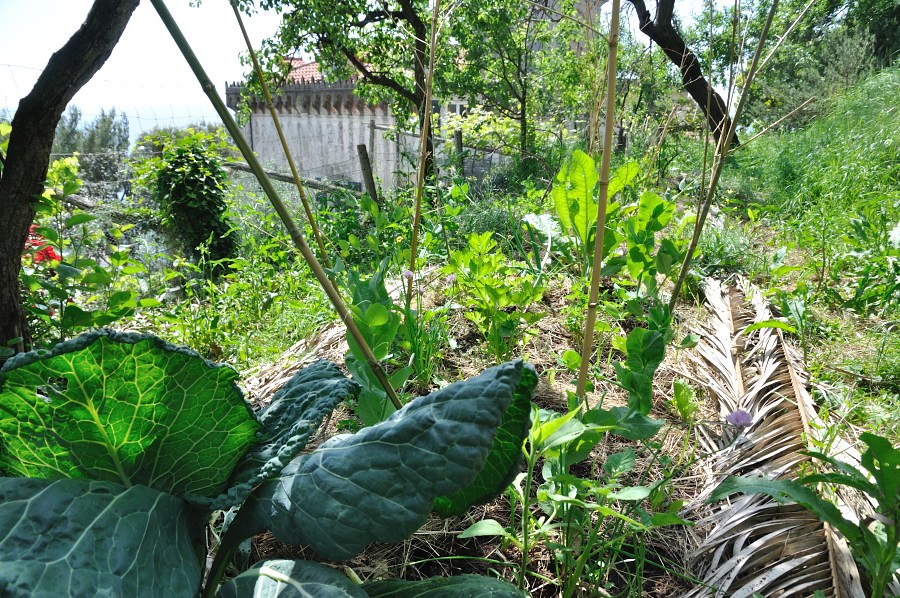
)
(118, 448)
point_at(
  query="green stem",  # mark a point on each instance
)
(526, 514)
(275, 199)
(587, 343)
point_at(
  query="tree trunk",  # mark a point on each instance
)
(663, 33)
(31, 140)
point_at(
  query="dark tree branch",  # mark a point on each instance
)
(666, 36)
(31, 140)
(379, 79)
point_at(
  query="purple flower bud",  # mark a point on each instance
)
(407, 274)
(451, 279)
(739, 418)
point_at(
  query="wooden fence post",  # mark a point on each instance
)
(366, 167)
(458, 148)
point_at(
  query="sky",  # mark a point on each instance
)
(146, 76)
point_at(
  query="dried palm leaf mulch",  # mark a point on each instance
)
(753, 544)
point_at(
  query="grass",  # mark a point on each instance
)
(830, 192)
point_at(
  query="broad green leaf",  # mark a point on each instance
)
(646, 350)
(571, 359)
(628, 424)
(654, 212)
(485, 527)
(630, 493)
(770, 324)
(623, 177)
(882, 460)
(291, 579)
(80, 218)
(573, 195)
(380, 484)
(377, 315)
(123, 407)
(457, 586)
(295, 413)
(548, 429)
(88, 538)
(373, 405)
(503, 462)
(619, 463)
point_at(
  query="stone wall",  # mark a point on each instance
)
(324, 122)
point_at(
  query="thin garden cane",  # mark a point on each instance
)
(587, 343)
(284, 145)
(423, 158)
(274, 198)
(722, 153)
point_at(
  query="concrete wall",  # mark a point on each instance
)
(324, 122)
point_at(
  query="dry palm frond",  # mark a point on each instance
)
(753, 544)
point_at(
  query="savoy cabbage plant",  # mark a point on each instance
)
(116, 448)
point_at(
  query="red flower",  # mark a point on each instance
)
(46, 252)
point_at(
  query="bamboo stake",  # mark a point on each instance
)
(423, 159)
(277, 203)
(721, 154)
(588, 342)
(284, 144)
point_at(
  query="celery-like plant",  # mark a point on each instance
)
(498, 295)
(116, 448)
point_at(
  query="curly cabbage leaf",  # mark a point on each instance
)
(126, 408)
(91, 538)
(296, 411)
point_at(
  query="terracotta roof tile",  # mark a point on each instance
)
(307, 72)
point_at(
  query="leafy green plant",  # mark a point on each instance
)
(574, 196)
(422, 336)
(874, 541)
(130, 444)
(684, 401)
(189, 185)
(378, 319)
(75, 277)
(499, 295)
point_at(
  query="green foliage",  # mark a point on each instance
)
(384, 44)
(189, 185)
(82, 537)
(75, 276)
(837, 181)
(124, 537)
(874, 543)
(575, 198)
(499, 295)
(264, 301)
(684, 401)
(378, 319)
(144, 426)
